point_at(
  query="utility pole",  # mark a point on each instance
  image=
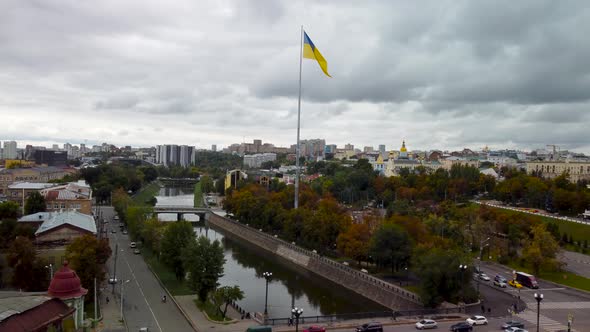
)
(115, 267)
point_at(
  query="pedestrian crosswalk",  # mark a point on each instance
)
(546, 323)
(561, 305)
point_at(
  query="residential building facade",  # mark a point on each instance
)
(72, 196)
(577, 170)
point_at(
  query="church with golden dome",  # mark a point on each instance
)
(403, 159)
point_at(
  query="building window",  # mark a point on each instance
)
(63, 205)
(56, 206)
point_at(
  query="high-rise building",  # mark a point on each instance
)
(55, 147)
(382, 149)
(170, 155)
(9, 151)
(214, 147)
(349, 147)
(368, 149)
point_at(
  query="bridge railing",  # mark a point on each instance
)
(178, 207)
(345, 269)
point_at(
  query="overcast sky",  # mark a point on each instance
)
(439, 74)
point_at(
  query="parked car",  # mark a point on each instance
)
(370, 327)
(514, 283)
(461, 327)
(477, 320)
(136, 251)
(132, 245)
(315, 329)
(500, 284)
(484, 277)
(113, 231)
(426, 324)
(512, 323)
(116, 218)
(125, 232)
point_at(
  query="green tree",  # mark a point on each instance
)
(177, 236)
(541, 249)
(21, 257)
(225, 295)
(88, 255)
(207, 184)
(8, 210)
(391, 246)
(203, 260)
(35, 203)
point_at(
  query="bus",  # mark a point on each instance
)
(527, 280)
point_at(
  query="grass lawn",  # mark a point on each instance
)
(579, 232)
(146, 193)
(166, 275)
(211, 311)
(564, 277)
(198, 195)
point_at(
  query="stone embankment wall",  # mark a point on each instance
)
(380, 291)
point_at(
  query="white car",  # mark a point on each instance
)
(477, 320)
(515, 329)
(426, 324)
(132, 245)
(500, 284)
(484, 277)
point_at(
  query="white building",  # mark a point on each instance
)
(9, 151)
(256, 160)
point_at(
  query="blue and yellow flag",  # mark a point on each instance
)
(311, 52)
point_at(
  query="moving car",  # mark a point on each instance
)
(114, 231)
(512, 323)
(132, 245)
(477, 320)
(125, 232)
(500, 278)
(136, 251)
(501, 284)
(315, 328)
(461, 327)
(370, 327)
(515, 329)
(514, 284)
(426, 324)
(112, 281)
(484, 277)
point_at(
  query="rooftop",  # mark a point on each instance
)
(76, 219)
(31, 185)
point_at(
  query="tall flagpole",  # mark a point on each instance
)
(298, 122)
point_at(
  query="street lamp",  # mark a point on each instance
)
(122, 283)
(50, 267)
(539, 298)
(297, 312)
(481, 246)
(267, 276)
(462, 268)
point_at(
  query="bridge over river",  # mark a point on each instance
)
(181, 210)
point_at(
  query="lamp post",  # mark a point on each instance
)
(481, 246)
(297, 312)
(50, 267)
(462, 268)
(122, 284)
(267, 276)
(539, 298)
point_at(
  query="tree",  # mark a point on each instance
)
(203, 260)
(9, 210)
(390, 245)
(21, 257)
(177, 236)
(225, 295)
(207, 184)
(354, 242)
(34, 203)
(88, 255)
(541, 249)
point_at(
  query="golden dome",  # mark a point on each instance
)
(403, 149)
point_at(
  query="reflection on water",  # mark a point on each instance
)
(245, 264)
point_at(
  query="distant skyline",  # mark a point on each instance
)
(440, 74)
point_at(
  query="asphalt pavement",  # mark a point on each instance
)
(142, 294)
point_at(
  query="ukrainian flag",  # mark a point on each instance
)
(311, 52)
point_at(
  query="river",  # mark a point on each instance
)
(245, 264)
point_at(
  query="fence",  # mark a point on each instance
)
(392, 315)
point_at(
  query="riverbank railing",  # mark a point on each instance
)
(390, 315)
(343, 268)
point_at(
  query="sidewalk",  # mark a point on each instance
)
(111, 314)
(203, 324)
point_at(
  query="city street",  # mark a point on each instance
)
(558, 303)
(142, 305)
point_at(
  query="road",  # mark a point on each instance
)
(576, 262)
(142, 305)
(557, 304)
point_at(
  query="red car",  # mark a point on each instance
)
(315, 329)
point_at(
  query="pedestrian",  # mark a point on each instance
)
(108, 300)
(489, 310)
(483, 309)
(290, 321)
